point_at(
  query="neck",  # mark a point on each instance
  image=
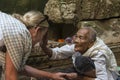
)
(89, 46)
(82, 52)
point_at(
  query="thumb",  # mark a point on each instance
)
(63, 79)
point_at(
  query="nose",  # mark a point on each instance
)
(76, 40)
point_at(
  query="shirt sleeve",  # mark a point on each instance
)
(17, 44)
(100, 64)
(14, 47)
(62, 52)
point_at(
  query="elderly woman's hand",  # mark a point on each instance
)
(58, 76)
(71, 76)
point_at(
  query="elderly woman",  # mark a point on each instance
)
(86, 43)
(18, 34)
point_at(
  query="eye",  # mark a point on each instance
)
(81, 37)
(75, 36)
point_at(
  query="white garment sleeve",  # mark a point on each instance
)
(100, 65)
(62, 52)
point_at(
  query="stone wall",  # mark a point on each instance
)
(103, 15)
(67, 11)
(97, 9)
(60, 11)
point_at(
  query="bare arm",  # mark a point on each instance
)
(86, 78)
(74, 76)
(39, 73)
(10, 70)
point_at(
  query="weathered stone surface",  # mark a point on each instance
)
(97, 9)
(66, 11)
(60, 11)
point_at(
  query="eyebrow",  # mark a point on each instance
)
(79, 35)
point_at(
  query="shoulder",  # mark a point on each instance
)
(8, 20)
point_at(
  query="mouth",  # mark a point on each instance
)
(77, 48)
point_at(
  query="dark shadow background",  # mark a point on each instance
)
(21, 6)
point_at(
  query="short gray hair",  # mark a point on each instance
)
(92, 33)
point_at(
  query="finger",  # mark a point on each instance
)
(63, 79)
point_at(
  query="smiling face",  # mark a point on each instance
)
(83, 40)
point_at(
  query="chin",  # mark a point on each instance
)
(77, 50)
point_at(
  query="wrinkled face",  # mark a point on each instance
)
(82, 41)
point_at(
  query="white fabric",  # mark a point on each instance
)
(63, 52)
(103, 57)
(104, 60)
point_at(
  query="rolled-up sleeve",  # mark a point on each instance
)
(18, 44)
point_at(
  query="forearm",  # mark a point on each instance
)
(75, 76)
(10, 71)
(47, 51)
(37, 73)
(87, 78)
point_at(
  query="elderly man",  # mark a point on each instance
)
(87, 44)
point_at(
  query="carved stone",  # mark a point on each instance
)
(97, 9)
(67, 11)
(60, 11)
